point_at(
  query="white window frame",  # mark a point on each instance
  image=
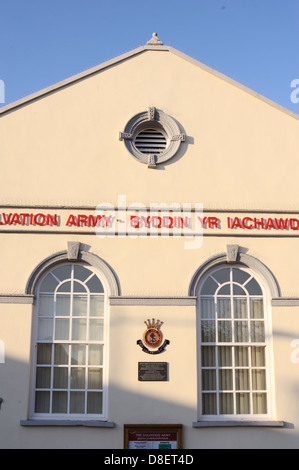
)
(268, 352)
(70, 416)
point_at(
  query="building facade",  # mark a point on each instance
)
(149, 273)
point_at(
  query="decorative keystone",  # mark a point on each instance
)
(232, 253)
(151, 113)
(180, 137)
(151, 163)
(73, 250)
(125, 135)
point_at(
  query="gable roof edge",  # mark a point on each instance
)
(79, 76)
(233, 82)
(128, 55)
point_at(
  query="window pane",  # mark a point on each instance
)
(60, 379)
(42, 402)
(95, 355)
(256, 308)
(258, 356)
(65, 287)
(44, 353)
(43, 377)
(81, 273)
(62, 326)
(46, 306)
(78, 354)
(96, 306)
(224, 331)
(242, 379)
(63, 272)
(78, 377)
(240, 308)
(49, 284)
(208, 333)
(77, 402)
(208, 379)
(253, 287)
(95, 285)
(259, 379)
(241, 332)
(45, 329)
(209, 287)
(259, 403)
(61, 354)
(226, 405)
(63, 305)
(224, 356)
(207, 308)
(223, 308)
(79, 329)
(222, 275)
(257, 332)
(94, 403)
(240, 276)
(243, 403)
(59, 404)
(95, 379)
(209, 404)
(225, 290)
(208, 356)
(237, 290)
(225, 379)
(79, 305)
(96, 329)
(78, 287)
(241, 356)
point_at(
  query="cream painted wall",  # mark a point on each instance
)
(145, 265)
(63, 149)
(65, 146)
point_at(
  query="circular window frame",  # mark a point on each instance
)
(152, 118)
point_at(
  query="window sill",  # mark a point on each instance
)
(208, 424)
(66, 422)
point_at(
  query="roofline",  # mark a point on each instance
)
(99, 68)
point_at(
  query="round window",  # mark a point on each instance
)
(152, 137)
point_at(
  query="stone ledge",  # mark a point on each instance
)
(67, 422)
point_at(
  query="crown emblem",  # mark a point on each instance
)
(153, 323)
(152, 337)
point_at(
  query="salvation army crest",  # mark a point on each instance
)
(152, 342)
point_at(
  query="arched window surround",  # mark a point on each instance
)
(260, 269)
(270, 289)
(110, 286)
(113, 286)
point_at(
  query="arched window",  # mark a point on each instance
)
(70, 340)
(233, 353)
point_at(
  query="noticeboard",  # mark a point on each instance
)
(151, 436)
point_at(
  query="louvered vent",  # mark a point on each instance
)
(150, 141)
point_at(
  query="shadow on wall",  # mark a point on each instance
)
(125, 407)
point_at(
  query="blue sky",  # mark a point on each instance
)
(255, 42)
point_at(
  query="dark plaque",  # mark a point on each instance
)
(152, 371)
